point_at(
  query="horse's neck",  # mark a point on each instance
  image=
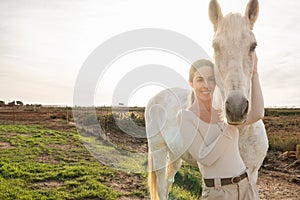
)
(243, 130)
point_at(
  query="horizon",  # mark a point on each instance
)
(118, 106)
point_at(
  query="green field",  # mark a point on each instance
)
(40, 163)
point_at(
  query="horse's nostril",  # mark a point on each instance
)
(245, 108)
(227, 107)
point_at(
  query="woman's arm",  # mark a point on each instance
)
(189, 130)
(257, 101)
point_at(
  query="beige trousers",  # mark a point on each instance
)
(243, 190)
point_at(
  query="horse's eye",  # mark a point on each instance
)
(252, 47)
(216, 46)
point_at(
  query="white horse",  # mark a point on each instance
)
(233, 42)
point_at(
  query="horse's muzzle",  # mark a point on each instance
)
(236, 108)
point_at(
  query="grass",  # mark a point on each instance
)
(121, 159)
(283, 128)
(48, 164)
(284, 141)
(187, 184)
(276, 112)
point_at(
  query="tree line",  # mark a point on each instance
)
(11, 103)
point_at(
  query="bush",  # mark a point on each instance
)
(189, 178)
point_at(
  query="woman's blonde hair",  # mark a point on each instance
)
(196, 65)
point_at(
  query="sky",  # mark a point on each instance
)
(43, 45)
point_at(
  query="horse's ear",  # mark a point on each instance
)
(252, 11)
(215, 13)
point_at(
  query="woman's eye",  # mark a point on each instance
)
(200, 79)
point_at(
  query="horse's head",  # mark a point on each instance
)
(234, 45)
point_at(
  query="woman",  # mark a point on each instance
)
(215, 144)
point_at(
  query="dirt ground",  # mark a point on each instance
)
(273, 185)
(279, 176)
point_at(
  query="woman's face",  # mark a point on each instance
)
(203, 83)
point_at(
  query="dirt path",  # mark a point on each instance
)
(277, 185)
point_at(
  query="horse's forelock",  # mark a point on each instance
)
(233, 25)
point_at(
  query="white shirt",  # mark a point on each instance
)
(213, 146)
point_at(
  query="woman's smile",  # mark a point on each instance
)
(205, 91)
